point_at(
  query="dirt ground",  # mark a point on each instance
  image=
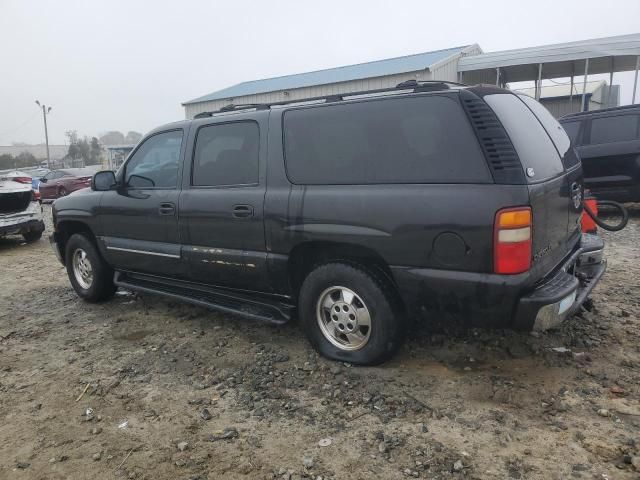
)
(145, 388)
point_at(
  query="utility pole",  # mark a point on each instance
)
(45, 112)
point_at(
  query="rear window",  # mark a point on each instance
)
(620, 128)
(537, 152)
(400, 140)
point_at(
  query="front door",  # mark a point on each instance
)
(49, 185)
(221, 206)
(139, 220)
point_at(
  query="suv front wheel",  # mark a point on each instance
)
(91, 277)
(351, 314)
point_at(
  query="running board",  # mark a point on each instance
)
(253, 306)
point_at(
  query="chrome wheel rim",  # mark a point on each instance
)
(82, 269)
(343, 318)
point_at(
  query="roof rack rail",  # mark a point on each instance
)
(231, 107)
(414, 85)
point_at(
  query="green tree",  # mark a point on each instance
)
(95, 152)
(7, 161)
(112, 138)
(25, 159)
(132, 138)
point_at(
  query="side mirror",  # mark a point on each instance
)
(43, 180)
(103, 181)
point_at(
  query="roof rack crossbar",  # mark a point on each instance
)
(414, 85)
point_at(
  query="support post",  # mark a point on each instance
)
(46, 136)
(584, 85)
(635, 79)
(571, 95)
(539, 83)
(610, 82)
(497, 76)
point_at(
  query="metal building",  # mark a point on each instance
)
(561, 99)
(438, 65)
(468, 64)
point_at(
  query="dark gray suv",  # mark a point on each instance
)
(355, 213)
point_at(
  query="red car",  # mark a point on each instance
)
(59, 183)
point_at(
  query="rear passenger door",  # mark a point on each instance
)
(221, 207)
(610, 154)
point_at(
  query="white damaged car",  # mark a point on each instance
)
(20, 212)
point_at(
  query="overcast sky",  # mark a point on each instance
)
(128, 65)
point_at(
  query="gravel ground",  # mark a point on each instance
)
(141, 387)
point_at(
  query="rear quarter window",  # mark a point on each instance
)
(537, 152)
(400, 140)
(572, 129)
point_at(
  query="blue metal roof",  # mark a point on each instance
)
(378, 68)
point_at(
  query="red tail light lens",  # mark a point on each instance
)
(22, 179)
(512, 240)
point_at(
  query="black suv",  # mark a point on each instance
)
(356, 213)
(608, 142)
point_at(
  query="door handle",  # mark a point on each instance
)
(240, 211)
(167, 209)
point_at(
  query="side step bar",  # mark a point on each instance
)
(254, 306)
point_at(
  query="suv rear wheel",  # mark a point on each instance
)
(91, 277)
(351, 314)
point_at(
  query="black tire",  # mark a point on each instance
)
(101, 286)
(387, 320)
(32, 236)
(62, 192)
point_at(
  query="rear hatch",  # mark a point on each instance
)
(553, 174)
(14, 197)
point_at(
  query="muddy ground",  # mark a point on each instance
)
(175, 391)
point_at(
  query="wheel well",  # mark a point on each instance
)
(64, 231)
(307, 256)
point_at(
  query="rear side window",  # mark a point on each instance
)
(401, 140)
(551, 125)
(226, 154)
(620, 128)
(537, 152)
(572, 129)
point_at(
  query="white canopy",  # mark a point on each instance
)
(617, 54)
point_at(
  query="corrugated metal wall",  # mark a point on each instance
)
(307, 92)
(561, 106)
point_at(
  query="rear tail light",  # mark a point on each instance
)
(22, 179)
(512, 240)
(35, 195)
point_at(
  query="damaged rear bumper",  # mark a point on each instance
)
(561, 295)
(22, 222)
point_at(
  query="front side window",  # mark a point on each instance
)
(424, 139)
(155, 163)
(226, 154)
(621, 128)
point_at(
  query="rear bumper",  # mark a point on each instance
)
(561, 295)
(502, 301)
(22, 222)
